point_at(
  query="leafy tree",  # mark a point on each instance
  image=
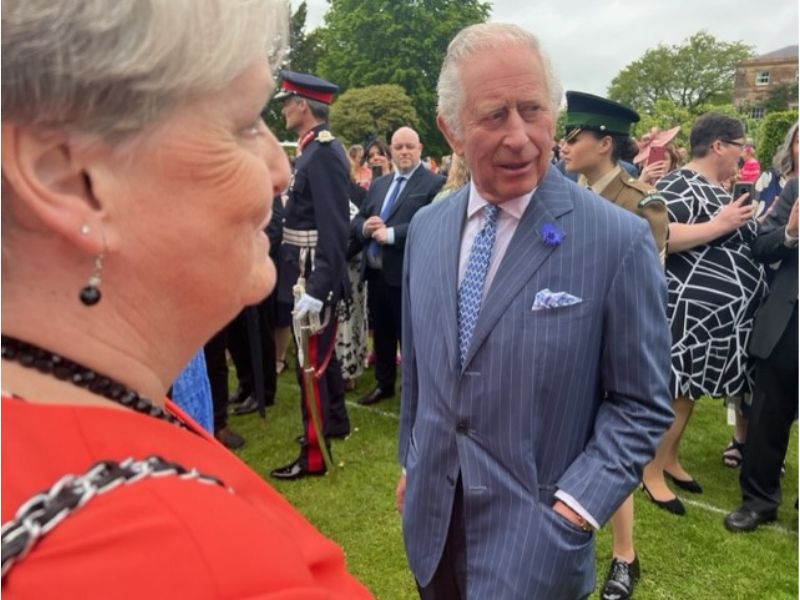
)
(780, 97)
(306, 49)
(371, 42)
(561, 124)
(698, 72)
(361, 114)
(666, 115)
(771, 133)
(304, 54)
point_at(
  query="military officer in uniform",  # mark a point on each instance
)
(315, 233)
(597, 131)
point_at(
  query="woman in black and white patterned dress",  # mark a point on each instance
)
(714, 289)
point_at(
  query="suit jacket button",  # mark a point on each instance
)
(461, 427)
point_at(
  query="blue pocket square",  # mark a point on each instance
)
(546, 299)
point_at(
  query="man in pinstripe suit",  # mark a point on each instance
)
(531, 405)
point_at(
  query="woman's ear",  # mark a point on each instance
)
(45, 171)
(606, 145)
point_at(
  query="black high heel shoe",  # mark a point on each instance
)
(690, 485)
(675, 506)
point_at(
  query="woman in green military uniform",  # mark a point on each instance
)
(597, 132)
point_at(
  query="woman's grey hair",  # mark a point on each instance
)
(109, 67)
(783, 161)
(467, 43)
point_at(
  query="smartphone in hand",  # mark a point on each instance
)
(743, 188)
(656, 154)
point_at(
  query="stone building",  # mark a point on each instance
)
(757, 77)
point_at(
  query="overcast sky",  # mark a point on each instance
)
(590, 41)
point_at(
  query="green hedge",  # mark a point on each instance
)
(770, 135)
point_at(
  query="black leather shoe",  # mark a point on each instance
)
(689, 485)
(239, 397)
(675, 506)
(620, 579)
(745, 519)
(375, 396)
(229, 438)
(294, 471)
(245, 408)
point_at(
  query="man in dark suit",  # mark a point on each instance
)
(312, 253)
(381, 227)
(774, 346)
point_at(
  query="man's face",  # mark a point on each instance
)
(406, 149)
(507, 123)
(292, 113)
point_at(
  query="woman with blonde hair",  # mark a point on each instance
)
(457, 177)
(359, 171)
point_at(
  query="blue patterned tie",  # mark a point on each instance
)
(372, 250)
(470, 291)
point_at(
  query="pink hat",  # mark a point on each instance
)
(660, 138)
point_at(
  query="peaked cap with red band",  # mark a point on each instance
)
(306, 86)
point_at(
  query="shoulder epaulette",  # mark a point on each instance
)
(638, 185)
(652, 198)
(325, 137)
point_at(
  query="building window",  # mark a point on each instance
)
(756, 112)
(762, 78)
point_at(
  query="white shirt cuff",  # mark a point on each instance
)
(390, 236)
(576, 506)
(789, 240)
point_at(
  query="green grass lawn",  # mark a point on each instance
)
(690, 557)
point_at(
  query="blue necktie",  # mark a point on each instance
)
(387, 209)
(470, 292)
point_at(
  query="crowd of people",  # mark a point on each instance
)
(552, 310)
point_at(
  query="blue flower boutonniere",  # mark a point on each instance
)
(551, 235)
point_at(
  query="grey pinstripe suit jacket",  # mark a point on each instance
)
(572, 398)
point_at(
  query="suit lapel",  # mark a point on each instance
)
(525, 254)
(448, 250)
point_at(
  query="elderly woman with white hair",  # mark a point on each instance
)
(137, 179)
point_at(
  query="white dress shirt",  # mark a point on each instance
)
(390, 230)
(508, 218)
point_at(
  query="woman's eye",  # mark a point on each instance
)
(255, 128)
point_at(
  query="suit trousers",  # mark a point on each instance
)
(240, 347)
(450, 579)
(333, 411)
(217, 366)
(771, 416)
(385, 305)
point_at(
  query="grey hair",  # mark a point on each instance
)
(319, 110)
(109, 67)
(783, 163)
(468, 42)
